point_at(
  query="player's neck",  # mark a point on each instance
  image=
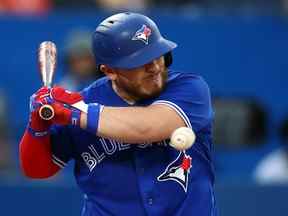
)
(123, 95)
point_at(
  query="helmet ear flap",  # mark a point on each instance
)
(168, 59)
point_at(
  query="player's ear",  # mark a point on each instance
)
(109, 72)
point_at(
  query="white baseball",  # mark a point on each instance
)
(182, 138)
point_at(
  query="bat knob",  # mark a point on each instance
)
(46, 112)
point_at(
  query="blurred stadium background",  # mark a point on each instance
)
(240, 47)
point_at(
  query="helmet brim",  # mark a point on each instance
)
(145, 55)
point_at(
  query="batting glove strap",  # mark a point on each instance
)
(94, 110)
(37, 133)
(75, 117)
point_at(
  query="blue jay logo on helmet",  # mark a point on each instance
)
(178, 170)
(143, 34)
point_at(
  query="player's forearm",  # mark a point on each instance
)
(122, 124)
(135, 124)
(35, 156)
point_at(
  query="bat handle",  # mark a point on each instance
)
(46, 112)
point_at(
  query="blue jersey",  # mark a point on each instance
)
(152, 179)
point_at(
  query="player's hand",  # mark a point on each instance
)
(68, 107)
(38, 126)
(62, 100)
(61, 95)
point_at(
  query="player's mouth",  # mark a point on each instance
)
(154, 78)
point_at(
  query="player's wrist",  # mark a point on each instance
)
(36, 126)
(75, 117)
(37, 133)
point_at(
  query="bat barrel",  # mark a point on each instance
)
(47, 54)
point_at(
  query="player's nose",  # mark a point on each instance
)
(153, 67)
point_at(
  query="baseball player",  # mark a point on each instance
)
(117, 129)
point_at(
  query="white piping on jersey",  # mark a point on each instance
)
(58, 162)
(177, 109)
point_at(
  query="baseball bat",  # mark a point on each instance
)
(47, 53)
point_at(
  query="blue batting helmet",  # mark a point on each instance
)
(129, 40)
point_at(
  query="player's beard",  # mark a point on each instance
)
(138, 91)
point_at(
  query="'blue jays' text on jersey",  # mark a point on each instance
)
(144, 179)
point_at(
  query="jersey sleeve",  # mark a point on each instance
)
(189, 96)
(61, 145)
(85, 93)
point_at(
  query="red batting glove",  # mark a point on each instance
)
(61, 95)
(62, 101)
(38, 126)
(69, 105)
